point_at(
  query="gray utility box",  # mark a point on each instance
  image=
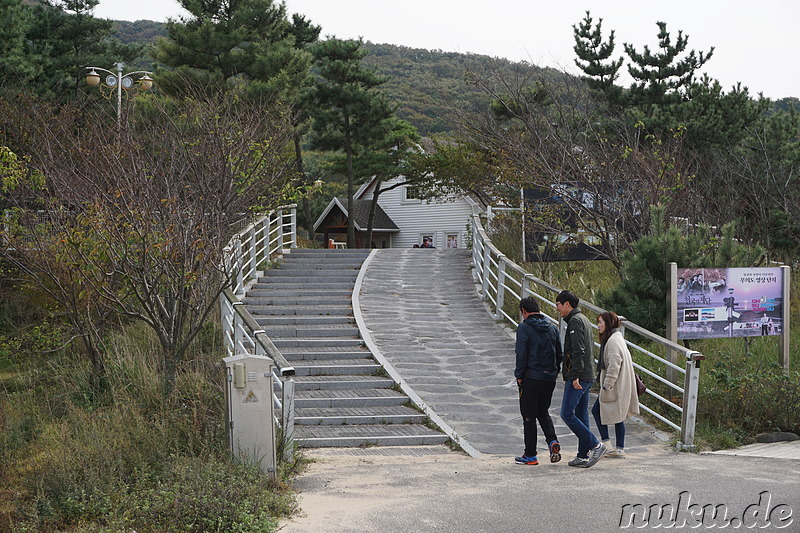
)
(251, 421)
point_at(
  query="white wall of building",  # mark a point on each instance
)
(445, 220)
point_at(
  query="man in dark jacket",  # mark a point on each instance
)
(578, 378)
(538, 351)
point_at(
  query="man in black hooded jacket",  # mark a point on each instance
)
(539, 356)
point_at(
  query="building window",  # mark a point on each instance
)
(411, 192)
(426, 241)
(452, 240)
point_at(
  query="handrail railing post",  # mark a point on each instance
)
(279, 217)
(476, 248)
(252, 250)
(526, 285)
(238, 333)
(293, 231)
(287, 417)
(690, 392)
(263, 247)
(487, 256)
(501, 280)
(239, 266)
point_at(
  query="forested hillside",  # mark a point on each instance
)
(426, 85)
(429, 85)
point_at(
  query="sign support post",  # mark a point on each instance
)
(783, 356)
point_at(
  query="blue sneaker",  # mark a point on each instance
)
(525, 460)
(555, 451)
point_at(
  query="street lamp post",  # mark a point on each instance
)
(118, 81)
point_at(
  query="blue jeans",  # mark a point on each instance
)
(575, 414)
(619, 427)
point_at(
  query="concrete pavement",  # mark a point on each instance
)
(371, 492)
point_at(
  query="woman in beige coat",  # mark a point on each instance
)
(618, 399)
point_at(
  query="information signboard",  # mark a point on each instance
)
(729, 302)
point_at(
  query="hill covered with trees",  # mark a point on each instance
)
(427, 86)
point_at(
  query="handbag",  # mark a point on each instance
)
(640, 386)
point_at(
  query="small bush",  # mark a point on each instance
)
(754, 401)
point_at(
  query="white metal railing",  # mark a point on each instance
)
(500, 278)
(269, 237)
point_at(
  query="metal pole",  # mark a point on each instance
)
(293, 242)
(691, 387)
(486, 264)
(287, 418)
(501, 280)
(120, 66)
(783, 360)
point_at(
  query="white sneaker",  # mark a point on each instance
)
(595, 454)
(616, 453)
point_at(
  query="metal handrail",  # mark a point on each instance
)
(268, 237)
(498, 277)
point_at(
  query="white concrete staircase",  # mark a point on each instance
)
(342, 397)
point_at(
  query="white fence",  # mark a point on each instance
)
(266, 239)
(500, 279)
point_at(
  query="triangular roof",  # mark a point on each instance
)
(382, 222)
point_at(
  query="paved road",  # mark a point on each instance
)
(424, 314)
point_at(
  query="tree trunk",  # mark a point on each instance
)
(373, 206)
(348, 146)
(170, 373)
(97, 380)
(298, 156)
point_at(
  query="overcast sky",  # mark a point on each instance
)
(756, 43)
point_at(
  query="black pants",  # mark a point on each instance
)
(534, 404)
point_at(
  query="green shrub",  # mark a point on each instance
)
(209, 496)
(755, 401)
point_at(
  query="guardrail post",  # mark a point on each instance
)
(526, 285)
(238, 330)
(475, 250)
(293, 230)
(281, 233)
(487, 255)
(264, 230)
(238, 262)
(253, 255)
(690, 392)
(501, 280)
(287, 418)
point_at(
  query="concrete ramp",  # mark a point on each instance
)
(424, 314)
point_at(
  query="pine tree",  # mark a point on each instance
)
(349, 114)
(594, 58)
(63, 37)
(661, 77)
(641, 295)
(14, 24)
(230, 40)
